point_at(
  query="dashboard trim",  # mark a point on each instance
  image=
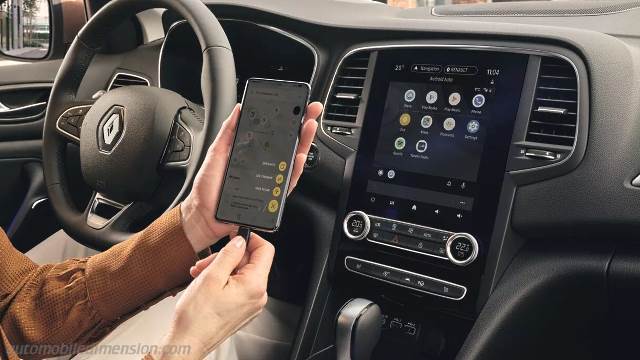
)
(498, 48)
(268, 27)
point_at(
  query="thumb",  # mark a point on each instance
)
(226, 261)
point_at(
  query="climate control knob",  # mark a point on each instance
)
(356, 225)
(462, 249)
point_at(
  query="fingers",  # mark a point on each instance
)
(261, 254)
(224, 140)
(202, 264)
(307, 134)
(226, 261)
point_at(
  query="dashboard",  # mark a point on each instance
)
(473, 174)
(282, 56)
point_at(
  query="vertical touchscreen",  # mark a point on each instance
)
(257, 177)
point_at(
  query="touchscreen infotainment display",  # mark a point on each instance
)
(436, 135)
(434, 128)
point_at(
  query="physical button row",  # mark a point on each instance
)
(406, 279)
(420, 232)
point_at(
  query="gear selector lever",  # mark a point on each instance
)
(358, 329)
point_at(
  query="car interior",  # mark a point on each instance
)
(470, 192)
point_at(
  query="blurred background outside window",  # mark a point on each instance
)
(24, 28)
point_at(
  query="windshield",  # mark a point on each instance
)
(430, 3)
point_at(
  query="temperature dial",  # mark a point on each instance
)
(356, 225)
(462, 249)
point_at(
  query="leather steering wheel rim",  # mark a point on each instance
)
(218, 85)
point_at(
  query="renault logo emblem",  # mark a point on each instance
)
(111, 129)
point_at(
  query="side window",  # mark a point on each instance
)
(25, 28)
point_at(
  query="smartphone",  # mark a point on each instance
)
(257, 178)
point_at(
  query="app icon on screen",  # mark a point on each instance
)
(473, 126)
(478, 101)
(426, 121)
(432, 97)
(405, 119)
(449, 124)
(454, 99)
(400, 143)
(410, 95)
(421, 146)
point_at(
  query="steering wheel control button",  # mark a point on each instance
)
(179, 148)
(462, 249)
(70, 122)
(406, 279)
(183, 135)
(356, 225)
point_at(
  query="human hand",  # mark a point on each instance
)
(198, 209)
(229, 292)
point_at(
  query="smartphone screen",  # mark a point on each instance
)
(257, 178)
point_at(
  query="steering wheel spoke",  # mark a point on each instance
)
(69, 123)
(103, 211)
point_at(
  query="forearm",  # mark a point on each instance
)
(80, 301)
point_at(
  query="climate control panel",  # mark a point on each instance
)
(459, 248)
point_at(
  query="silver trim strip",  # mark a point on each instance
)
(551, 110)
(408, 272)
(516, 50)
(38, 202)
(72, 137)
(268, 27)
(5, 110)
(115, 76)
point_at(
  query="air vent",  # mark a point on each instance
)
(553, 117)
(125, 79)
(344, 98)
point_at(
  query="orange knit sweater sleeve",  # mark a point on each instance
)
(61, 309)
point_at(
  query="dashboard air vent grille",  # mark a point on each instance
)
(553, 117)
(124, 79)
(344, 98)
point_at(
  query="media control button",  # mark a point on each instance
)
(406, 279)
(462, 249)
(356, 225)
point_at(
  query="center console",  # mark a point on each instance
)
(435, 136)
(429, 167)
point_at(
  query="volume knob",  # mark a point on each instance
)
(462, 249)
(356, 225)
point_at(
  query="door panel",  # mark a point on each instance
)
(25, 214)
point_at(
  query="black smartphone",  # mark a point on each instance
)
(257, 178)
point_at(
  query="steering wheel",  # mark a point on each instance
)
(140, 147)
